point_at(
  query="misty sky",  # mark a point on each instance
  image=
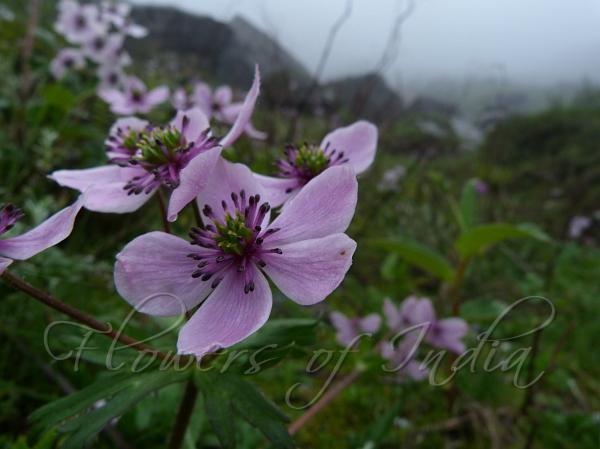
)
(546, 41)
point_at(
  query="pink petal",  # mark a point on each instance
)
(4, 263)
(228, 178)
(308, 271)
(228, 316)
(448, 334)
(192, 180)
(82, 179)
(392, 315)
(346, 331)
(51, 232)
(125, 123)
(245, 115)
(417, 311)
(276, 189)
(202, 98)
(113, 198)
(154, 275)
(324, 206)
(223, 95)
(157, 96)
(370, 323)
(198, 122)
(358, 142)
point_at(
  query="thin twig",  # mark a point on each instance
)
(78, 315)
(329, 396)
(186, 409)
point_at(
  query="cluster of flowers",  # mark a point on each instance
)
(97, 33)
(224, 265)
(410, 324)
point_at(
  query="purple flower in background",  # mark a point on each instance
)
(403, 360)
(78, 23)
(116, 13)
(304, 251)
(354, 145)
(578, 225)
(349, 328)
(179, 156)
(67, 59)
(181, 101)
(110, 76)
(135, 98)
(105, 49)
(51, 232)
(219, 104)
(414, 312)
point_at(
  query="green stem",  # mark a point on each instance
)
(184, 415)
(163, 211)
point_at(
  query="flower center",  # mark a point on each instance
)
(9, 215)
(80, 22)
(307, 161)
(232, 240)
(137, 96)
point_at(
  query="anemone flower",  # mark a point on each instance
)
(179, 157)
(77, 23)
(65, 60)
(110, 76)
(219, 104)
(51, 232)
(105, 48)
(403, 359)
(446, 334)
(135, 98)
(349, 328)
(304, 251)
(354, 145)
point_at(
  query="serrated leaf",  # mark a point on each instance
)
(481, 238)
(418, 255)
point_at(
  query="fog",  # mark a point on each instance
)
(545, 42)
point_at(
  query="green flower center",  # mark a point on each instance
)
(234, 235)
(157, 147)
(312, 159)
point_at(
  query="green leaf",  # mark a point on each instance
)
(481, 238)
(418, 255)
(248, 402)
(83, 428)
(218, 408)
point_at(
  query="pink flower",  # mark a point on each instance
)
(78, 23)
(349, 328)
(304, 251)
(67, 59)
(105, 48)
(51, 232)
(446, 334)
(403, 358)
(578, 225)
(110, 76)
(135, 98)
(179, 157)
(354, 145)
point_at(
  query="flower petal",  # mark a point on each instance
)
(4, 263)
(245, 114)
(125, 123)
(392, 315)
(223, 95)
(277, 189)
(346, 331)
(51, 232)
(202, 97)
(358, 142)
(370, 323)
(308, 271)
(228, 316)
(83, 179)
(418, 311)
(324, 206)
(154, 275)
(198, 123)
(157, 95)
(448, 334)
(192, 180)
(227, 178)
